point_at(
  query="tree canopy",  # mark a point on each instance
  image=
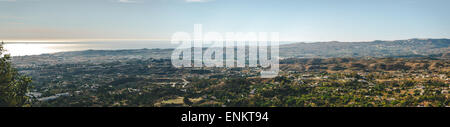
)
(13, 86)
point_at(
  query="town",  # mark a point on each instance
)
(302, 82)
(147, 78)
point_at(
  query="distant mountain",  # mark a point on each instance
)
(398, 48)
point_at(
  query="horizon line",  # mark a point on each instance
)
(113, 40)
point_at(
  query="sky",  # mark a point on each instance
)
(295, 20)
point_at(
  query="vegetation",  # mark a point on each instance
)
(401, 73)
(365, 82)
(13, 86)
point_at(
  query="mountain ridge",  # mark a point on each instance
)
(377, 48)
(435, 48)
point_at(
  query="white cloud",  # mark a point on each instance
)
(127, 1)
(197, 1)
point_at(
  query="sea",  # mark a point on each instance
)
(38, 48)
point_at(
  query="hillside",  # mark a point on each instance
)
(437, 48)
(398, 48)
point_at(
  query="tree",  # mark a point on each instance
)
(13, 86)
(187, 101)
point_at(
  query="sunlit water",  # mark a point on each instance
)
(23, 49)
(36, 49)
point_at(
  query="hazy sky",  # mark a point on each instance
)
(297, 20)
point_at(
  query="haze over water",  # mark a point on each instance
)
(37, 48)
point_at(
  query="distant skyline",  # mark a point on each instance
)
(295, 20)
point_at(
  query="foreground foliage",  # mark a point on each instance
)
(13, 86)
